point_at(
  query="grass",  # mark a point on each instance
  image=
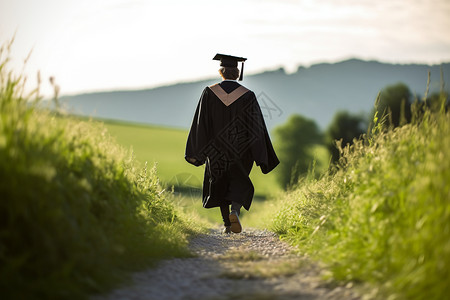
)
(164, 146)
(382, 217)
(77, 211)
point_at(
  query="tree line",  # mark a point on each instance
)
(295, 140)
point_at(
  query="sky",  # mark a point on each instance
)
(98, 45)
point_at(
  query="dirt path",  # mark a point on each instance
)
(254, 264)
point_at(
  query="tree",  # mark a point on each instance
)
(344, 126)
(394, 104)
(294, 140)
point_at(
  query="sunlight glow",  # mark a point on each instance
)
(116, 44)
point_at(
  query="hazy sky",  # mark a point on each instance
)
(114, 44)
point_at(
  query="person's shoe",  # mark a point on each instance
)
(227, 230)
(235, 224)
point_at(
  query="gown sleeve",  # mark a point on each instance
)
(262, 150)
(198, 135)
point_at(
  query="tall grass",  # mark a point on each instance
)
(383, 216)
(76, 211)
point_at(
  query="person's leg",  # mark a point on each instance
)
(237, 189)
(239, 186)
(225, 211)
(235, 224)
(236, 206)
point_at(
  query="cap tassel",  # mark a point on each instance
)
(242, 72)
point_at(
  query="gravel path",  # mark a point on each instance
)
(254, 264)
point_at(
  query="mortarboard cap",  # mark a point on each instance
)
(231, 61)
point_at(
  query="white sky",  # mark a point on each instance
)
(91, 45)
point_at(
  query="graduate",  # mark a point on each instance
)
(228, 134)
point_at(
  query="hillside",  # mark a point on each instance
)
(316, 92)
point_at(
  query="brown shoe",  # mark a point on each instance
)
(235, 224)
(227, 230)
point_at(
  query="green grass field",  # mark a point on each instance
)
(165, 146)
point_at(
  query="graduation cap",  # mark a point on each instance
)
(231, 61)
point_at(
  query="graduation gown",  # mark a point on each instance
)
(228, 134)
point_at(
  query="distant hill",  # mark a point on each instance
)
(316, 92)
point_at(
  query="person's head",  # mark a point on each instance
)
(229, 65)
(231, 73)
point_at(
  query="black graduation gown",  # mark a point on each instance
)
(228, 133)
